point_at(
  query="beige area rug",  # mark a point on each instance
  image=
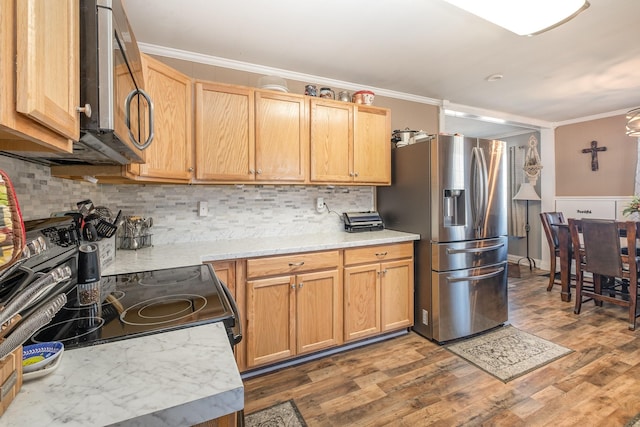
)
(508, 352)
(283, 414)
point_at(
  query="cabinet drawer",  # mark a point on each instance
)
(378, 253)
(292, 264)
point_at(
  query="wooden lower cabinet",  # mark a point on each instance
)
(378, 294)
(230, 420)
(292, 315)
(302, 303)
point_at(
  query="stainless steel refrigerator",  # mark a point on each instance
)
(452, 190)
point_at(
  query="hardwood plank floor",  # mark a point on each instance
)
(410, 381)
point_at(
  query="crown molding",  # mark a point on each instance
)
(270, 71)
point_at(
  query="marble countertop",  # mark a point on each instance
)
(176, 378)
(193, 253)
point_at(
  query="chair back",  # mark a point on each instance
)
(601, 240)
(549, 219)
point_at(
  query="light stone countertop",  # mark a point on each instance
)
(194, 253)
(176, 378)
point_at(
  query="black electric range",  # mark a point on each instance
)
(143, 303)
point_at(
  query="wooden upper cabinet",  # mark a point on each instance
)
(372, 145)
(170, 155)
(225, 139)
(331, 141)
(281, 137)
(19, 132)
(350, 143)
(247, 135)
(48, 71)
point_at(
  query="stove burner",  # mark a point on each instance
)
(169, 277)
(163, 308)
(79, 327)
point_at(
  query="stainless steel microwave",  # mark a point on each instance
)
(120, 126)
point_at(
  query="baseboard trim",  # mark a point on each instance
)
(314, 356)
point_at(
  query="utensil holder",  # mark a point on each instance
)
(135, 242)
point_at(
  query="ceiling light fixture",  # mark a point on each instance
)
(525, 18)
(633, 122)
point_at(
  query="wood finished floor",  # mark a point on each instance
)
(410, 381)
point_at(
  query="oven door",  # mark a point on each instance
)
(233, 324)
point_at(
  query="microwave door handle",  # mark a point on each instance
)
(127, 110)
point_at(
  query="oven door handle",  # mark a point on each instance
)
(236, 337)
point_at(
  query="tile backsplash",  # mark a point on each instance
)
(234, 211)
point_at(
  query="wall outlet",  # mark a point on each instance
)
(203, 208)
(425, 317)
(319, 204)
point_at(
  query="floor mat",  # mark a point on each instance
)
(285, 414)
(508, 352)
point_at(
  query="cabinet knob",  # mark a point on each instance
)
(293, 286)
(251, 171)
(381, 254)
(86, 110)
(355, 174)
(300, 285)
(190, 169)
(296, 264)
(259, 171)
(351, 174)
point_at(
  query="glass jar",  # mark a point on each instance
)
(311, 90)
(327, 93)
(344, 96)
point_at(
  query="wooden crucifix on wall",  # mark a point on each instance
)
(594, 154)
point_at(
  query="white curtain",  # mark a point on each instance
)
(517, 222)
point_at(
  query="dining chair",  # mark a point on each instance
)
(599, 252)
(549, 219)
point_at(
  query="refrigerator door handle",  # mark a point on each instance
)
(451, 251)
(497, 272)
(479, 185)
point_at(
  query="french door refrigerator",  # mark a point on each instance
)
(452, 190)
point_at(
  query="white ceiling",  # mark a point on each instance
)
(415, 48)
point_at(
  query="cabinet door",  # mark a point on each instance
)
(331, 141)
(396, 289)
(318, 311)
(170, 153)
(224, 133)
(282, 137)
(47, 64)
(372, 145)
(226, 273)
(270, 326)
(362, 301)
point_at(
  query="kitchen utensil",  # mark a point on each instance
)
(12, 233)
(85, 207)
(31, 324)
(88, 274)
(326, 92)
(34, 292)
(403, 137)
(273, 83)
(363, 97)
(45, 370)
(37, 356)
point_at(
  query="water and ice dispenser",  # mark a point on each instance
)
(453, 207)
